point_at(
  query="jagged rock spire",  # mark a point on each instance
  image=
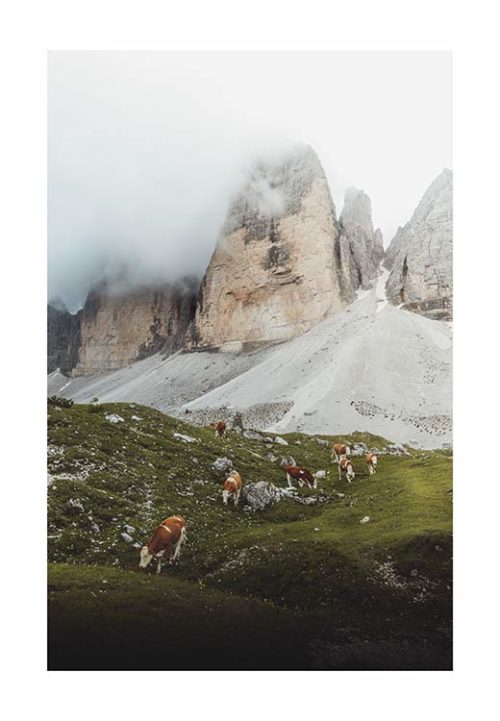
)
(420, 256)
(275, 271)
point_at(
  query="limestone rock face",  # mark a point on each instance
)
(63, 338)
(117, 329)
(361, 247)
(275, 271)
(420, 256)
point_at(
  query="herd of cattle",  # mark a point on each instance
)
(170, 535)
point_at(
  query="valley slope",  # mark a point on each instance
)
(372, 367)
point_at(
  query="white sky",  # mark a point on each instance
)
(145, 148)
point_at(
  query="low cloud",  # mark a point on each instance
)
(147, 149)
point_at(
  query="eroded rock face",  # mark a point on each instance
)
(117, 329)
(420, 256)
(63, 338)
(275, 272)
(361, 246)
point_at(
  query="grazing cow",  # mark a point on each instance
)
(339, 451)
(167, 539)
(220, 428)
(345, 466)
(371, 460)
(302, 475)
(232, 488)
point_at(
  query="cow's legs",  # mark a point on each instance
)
(237, 498)
(289, 479)
(158, 567)
(178, 545)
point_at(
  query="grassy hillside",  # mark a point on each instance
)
(302, 584)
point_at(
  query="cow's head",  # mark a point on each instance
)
(225, 496)
(348, 450)
(145, 557)
(288, 461)
(374, 460)
(350, 470)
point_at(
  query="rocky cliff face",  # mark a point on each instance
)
(63, 338)
(361, 248)
(117, 329)
(277, 267)
(420, 256)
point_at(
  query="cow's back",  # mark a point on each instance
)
(175, 524)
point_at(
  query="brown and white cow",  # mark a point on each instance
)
(339, 451)
(302, 475)
(371, 460)
(167, 540)
(232, 488)
(220, 429)
(345, 466)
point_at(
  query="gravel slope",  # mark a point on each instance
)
(374, 367)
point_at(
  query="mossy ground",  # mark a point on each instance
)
(295, 586)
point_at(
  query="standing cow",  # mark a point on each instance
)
(345, 466)
(339, 451)
(167, 540)
(232, 488)
(371, 461)
(220, 429)
(302, 475)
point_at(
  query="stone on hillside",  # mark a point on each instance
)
(322, 442)
(280, 441)
(253, 436)
(184, 439)
(222, 464)
(365, 519)
(260, 495)
(114, 418)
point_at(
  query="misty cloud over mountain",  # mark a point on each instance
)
(146, 149)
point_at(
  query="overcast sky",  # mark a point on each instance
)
(146, 148)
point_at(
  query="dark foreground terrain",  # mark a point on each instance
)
(302, 584)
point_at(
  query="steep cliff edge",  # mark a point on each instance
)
(420, 256)
(361, 247)
(117, 329)
(276, 269)
(63, 338)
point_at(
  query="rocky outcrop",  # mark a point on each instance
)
(277, 267)
(117, 329)
(361, 247)
(420, 256)
(63, 338)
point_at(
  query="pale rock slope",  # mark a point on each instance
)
(373, 367)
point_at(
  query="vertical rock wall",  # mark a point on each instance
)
(274, 272)
(420, 256)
